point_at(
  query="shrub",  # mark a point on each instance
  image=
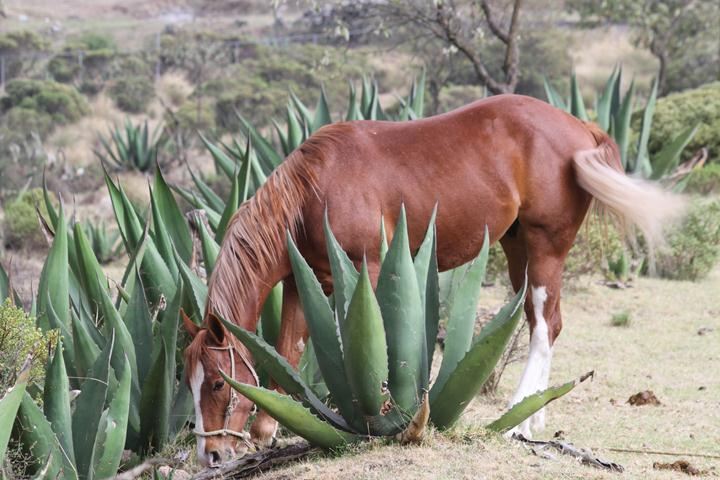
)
(693, 247)
(19, 338)
(704, 180)
(132, 94)
(12, 47)
(62, 103)
(21, 223)
(597, 240)
(679, 110)
(620, 319)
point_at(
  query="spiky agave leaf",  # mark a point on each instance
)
(10, 403)
(294, 416)
(449, 399)
(56, 401)
(531, 404)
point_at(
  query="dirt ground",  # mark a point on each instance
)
(660, 350)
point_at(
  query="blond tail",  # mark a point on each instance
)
(635, 201)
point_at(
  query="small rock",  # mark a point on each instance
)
(704, 330)
(166, 471)
(702, 387)
(643, 398)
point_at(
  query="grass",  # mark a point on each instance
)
(659, 351)
(620, 319)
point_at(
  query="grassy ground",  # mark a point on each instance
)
(660, 350)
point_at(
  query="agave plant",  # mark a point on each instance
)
(373, 351)
(105, 243)
(132, 147)
(613, 112)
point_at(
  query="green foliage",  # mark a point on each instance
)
(61, 102)
(613, 110)
(22, 227)
(105, 243)
(13, 45)
(693, 247)
(620, 319)
(677, 111)
(704, 180)
(134, 147)
(19, 338)
(132, 94)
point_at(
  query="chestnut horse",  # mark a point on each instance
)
(518, 165)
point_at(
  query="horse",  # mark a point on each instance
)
(524, 169)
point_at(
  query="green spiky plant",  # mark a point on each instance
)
(374, 350)
(131, 147)
(613, 112)
(104, 242)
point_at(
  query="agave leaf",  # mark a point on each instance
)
(269, 159)
(324, 330)
(223, 163)
(172, 216)
(622, 125)
(604, 102)
(344, 274)
(56, 400)
(267, 359)
(182, 409)
(196, 290)
(553, 97)
(295, 131)
(642, 163)
(365, 348)
(238, 194)
(212, 200)
(301, 108)
(398, 296)
(138, 319)
(66, 333)
(86, 348)
(417, 103)
(112, 430)
(463, 307)
(383, 240)
(322, 112)
(668, 158)
(89, 406)
(353, 112)
(38, 439)
(90, 269)
(210, 248)
(531, 404)
(450, 398)
(271, 315)
(426, 268)
(282, 137)
(158, 390)
(6, 290)
(294, 416)
(161, 236)
(577, 105)
(54, 279)
(310, 373)
(9, 405)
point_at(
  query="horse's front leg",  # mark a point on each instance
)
(290, 344)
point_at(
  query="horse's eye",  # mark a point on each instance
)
(218, 385)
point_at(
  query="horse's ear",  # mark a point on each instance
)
(190, 326)
(216, 328)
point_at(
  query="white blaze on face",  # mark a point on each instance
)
(195, 386)
(537, 371)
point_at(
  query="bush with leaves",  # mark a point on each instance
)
(19, 338)
(21, 226)
(12, 47)
(693, 247)
(679, 110)
(704, 180)
(132, 94)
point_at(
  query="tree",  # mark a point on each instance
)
(463, 27)
(670, 29)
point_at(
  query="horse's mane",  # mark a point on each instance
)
(255, 237)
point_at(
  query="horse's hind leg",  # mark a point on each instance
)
(544, 254)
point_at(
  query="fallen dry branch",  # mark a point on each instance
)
(257, 462)
(583, 454)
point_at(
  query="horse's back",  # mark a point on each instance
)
(481, 164)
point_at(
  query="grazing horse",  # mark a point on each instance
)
(516, 164)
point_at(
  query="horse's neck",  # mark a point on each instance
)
(238, 292)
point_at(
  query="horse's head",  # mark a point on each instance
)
(220, 412)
